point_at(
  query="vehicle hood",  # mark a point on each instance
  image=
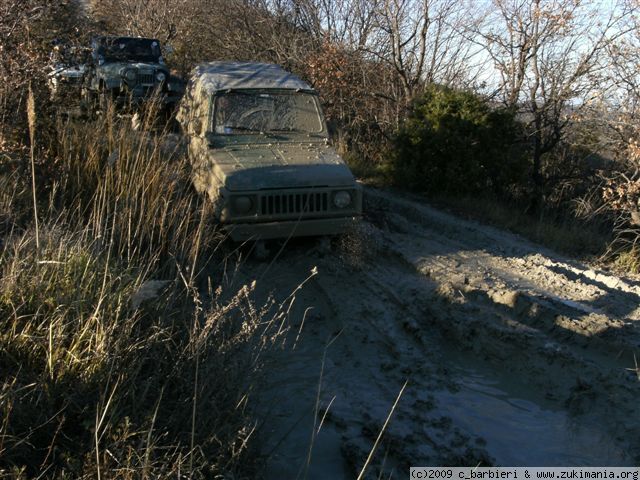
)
(266, 166)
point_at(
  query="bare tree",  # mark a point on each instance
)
(161, 19)
(28, 30)
(549, 57)
(423, 41)
(621, 114)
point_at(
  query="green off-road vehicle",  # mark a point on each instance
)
(259, 149)
(128, 71)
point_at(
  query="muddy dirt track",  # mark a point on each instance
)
(512, 354)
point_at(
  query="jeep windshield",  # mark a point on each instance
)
(260, 112)
(136, 49)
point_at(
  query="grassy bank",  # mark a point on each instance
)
(116, 361)
(586, 239)
(559, 231)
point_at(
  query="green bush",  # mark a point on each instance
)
(454, 142)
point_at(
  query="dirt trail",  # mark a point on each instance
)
(513, 355)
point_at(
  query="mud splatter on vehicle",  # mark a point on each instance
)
(259, 148)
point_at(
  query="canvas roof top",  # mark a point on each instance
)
(219, 76)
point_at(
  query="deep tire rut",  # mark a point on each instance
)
(474, 319)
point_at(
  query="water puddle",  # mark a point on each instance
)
(520, 432)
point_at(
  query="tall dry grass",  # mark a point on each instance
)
(115, 362)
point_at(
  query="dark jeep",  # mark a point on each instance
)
(128, 70)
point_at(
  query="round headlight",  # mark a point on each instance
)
(342, 199)
(161, 77)
(130, 75)
(242, 204)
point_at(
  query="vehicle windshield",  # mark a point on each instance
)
(260, 112)
(137, 49)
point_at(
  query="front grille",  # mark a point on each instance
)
(145, 78)
(294, 203)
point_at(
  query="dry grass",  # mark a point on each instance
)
(113, 361)
(561, 232)
(629, 260)
(581, 236)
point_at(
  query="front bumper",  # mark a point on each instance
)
(293, 228)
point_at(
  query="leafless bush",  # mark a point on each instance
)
(29, 29)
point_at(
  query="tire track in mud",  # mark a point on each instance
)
(497, 337)
(373, 353)
(535, 318)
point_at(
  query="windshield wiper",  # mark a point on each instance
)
(287, 130)
(246, 129)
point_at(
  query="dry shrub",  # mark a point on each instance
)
(620, 188)
(113, 363)
(28, 29)
(621, 197)
(359, 100)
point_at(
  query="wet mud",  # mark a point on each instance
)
(511, 354)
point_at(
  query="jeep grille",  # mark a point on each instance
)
(146, 78)
(294, 203)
